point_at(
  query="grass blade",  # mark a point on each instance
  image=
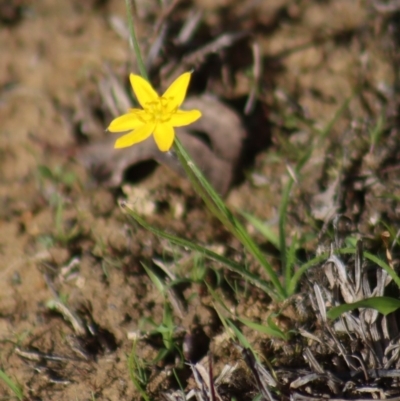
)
(273, 331)
(137, 373)
(220, 210)
(14, 387)
(263, 229)
(384, 305)
(235, 267)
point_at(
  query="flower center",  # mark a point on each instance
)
(159, 111)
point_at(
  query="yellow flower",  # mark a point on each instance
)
(159, 116)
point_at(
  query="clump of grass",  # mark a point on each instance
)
(138, 372)
(54, 183)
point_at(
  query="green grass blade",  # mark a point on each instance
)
(155, 279)
(228, 323)
(377, 131)
(202, 187)
(384, 266)
(273, 330)
(381, 263)
(14, 387)
(290, 263)
(299, 273)
(282, 229)
(134, 41)
(218, 207)
(161, 355)
(239, 335)
(263, 229)
(325, 132)
(384, 305)
(235, 267)
(137, 373)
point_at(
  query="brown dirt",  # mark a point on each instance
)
(58, 224)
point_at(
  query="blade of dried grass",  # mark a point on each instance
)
(262, 376)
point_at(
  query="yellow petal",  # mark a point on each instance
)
(164, 135)
(182, 117)
(125, 122)
(143, 90)
(175, 94)
(134, 137)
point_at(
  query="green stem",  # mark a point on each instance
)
(283, 209)
(135, 43)
(220, 210)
